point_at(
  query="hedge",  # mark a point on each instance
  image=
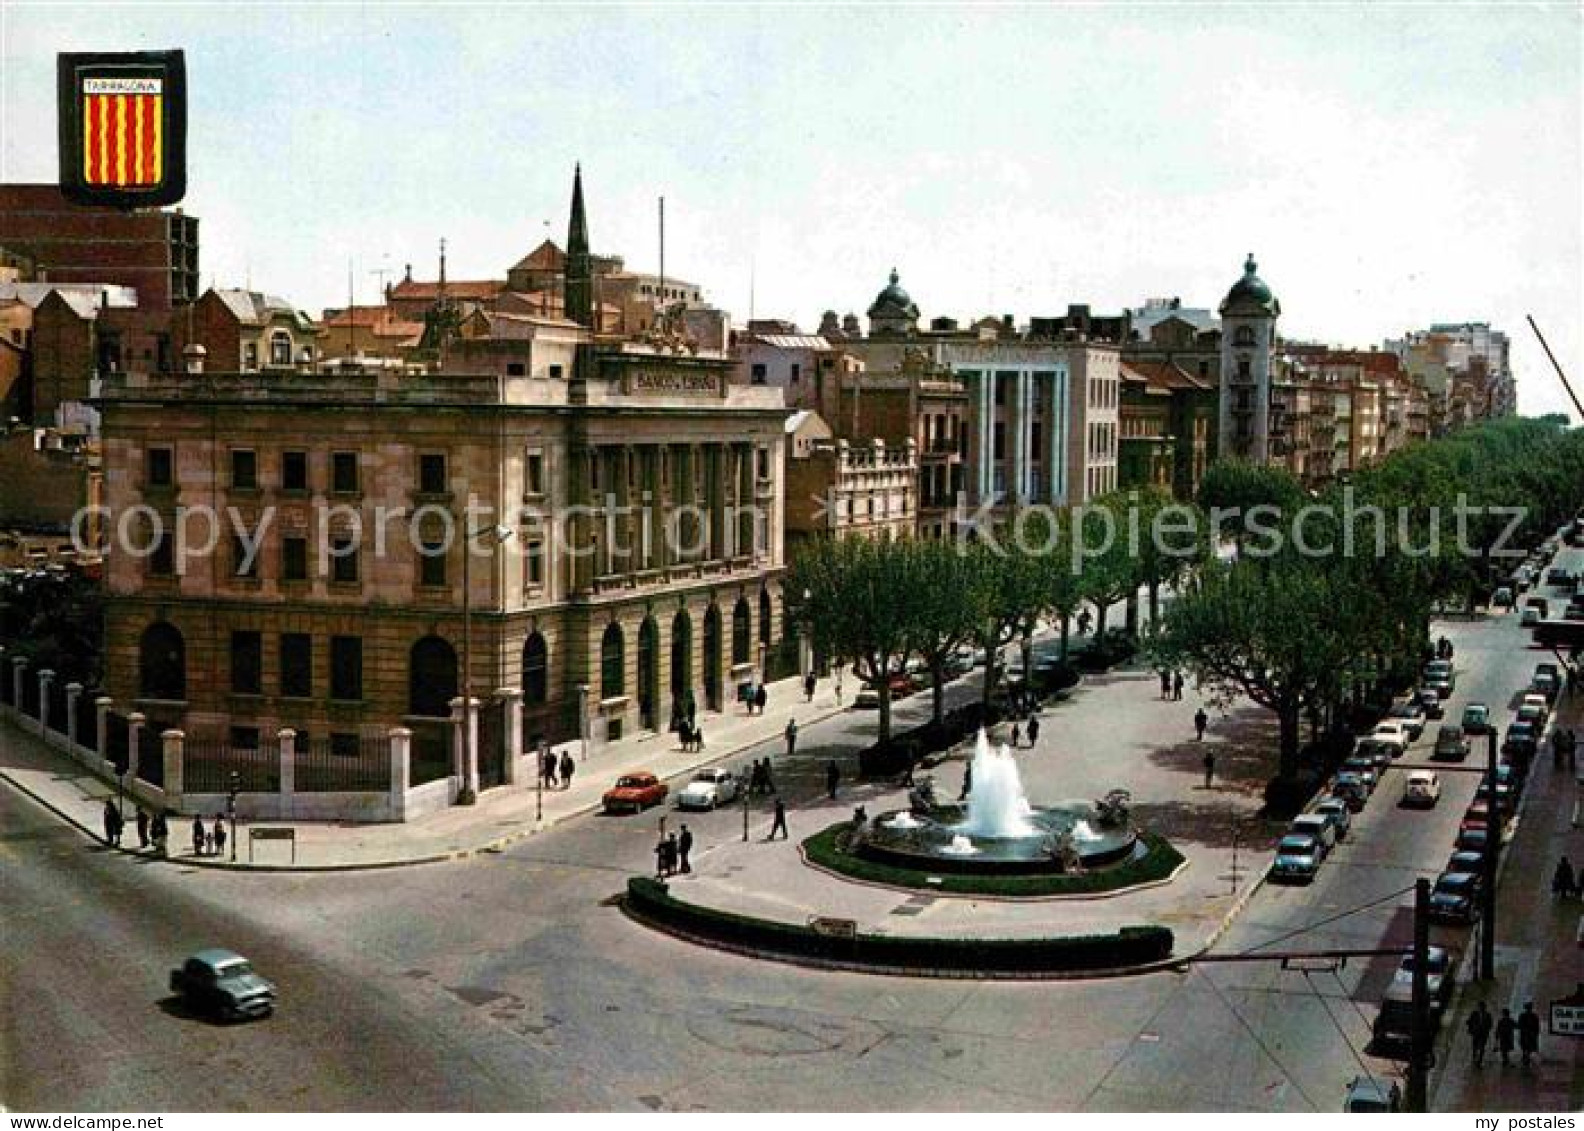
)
(649, 901)
(1160, 861)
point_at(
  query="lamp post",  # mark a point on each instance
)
(468, 794)
(231, 809)
(805, 643)
(544, 753)
(583, 692)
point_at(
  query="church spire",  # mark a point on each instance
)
(579, 285)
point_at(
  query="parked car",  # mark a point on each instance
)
(1297, 858)
(1319, 826)
(1363, 769)
(1438, 673)
(1394, 1026)
(1471, 839)
(1546, 685)
(1504, 791)
(1476, 719)
(1440, 975)
(1421, 789)
(1369, 1094)
(867, 699)
(709, 789)
(1378, 752)
(1337, 810)
(1430, 700)
(224, 983)
(1451, 744)
(1351, 789)
(1537, 700)
(634, 792)
(1466, 860)
(1455, 897)
(1548, 668)
(1531, 713)
(1530, 616)
(1395, 730)
(1411, 717)
(1520, 740)
(1477, 815)
(1558, 575)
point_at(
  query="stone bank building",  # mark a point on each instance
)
(626, 539)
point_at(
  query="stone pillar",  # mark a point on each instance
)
(986, 453)
(287, 740)
(512, 698)
(400, 770)
(172, 749)
(135, 723)
(464, 745)
(102, 707)
(1017, 482)
(74, 692)
(18, 677)
(46, 677)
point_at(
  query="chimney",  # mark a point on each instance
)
(193, 358)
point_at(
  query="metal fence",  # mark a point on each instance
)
(151, 757)
(55, 718)
(209, 763)
(342, 764)
(88, 719)
(7, 693)
(431, 750)
(117, 740)
(30, 698)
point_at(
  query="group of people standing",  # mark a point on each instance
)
(1171, 684)
(209, 841)
(760, 781)
(672, 852)
(152, 831)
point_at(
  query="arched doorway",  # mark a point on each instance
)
(535, 671)
(162, 663)
(681, 664)
(712, 658)
(431, 685)
(649, 674)
(613, 662)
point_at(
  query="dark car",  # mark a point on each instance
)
(1451, 745)
(1432, 702)
(223, 982)
(1412, 716)
(1472, 838)
(1520, 741)
(1455, 897)
(1466, 860)
(1559, 576)
(1298, 858)
(1352, 789)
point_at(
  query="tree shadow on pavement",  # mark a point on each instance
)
(1207, 821)
(1245, 747)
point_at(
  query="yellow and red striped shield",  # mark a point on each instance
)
(123, 121)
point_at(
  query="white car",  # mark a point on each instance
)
(709, 789)
(1394, 731)
(1422, 789)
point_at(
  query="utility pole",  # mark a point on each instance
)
(1419, 1047)
(1487, 954)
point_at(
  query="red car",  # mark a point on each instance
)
(634, 792)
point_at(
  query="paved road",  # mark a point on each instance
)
(506, 982)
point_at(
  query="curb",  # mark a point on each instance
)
(492, 846)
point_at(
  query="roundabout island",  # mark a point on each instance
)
(995, 887)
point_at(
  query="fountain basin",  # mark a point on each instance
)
(927, 844)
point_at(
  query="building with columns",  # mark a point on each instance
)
(624, 501)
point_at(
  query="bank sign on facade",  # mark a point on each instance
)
(123, 126)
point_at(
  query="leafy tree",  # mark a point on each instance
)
(948, 606)
(1011, 585)
(1231, 488)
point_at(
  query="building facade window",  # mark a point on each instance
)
(344, 557)
(432, 473)
(344, 472)
(160, 473)
(757, 374)
(294, 558)
(247, 663)
(296, 665)
(432, 564)
(742, 632)
(280, 346)
(535, 473)
(613, 663)
(536, 670)
(294, 471)
(346, 668)
(244, 469)
(162, 663)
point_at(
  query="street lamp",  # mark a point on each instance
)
(583, 691)
(544, 755)
(231, 809)
(498, 535)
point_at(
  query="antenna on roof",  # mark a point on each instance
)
(662, 253)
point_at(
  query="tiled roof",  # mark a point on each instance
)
(480, 290)
(793, 341)
(546, 257)
(1165, 375)
(84, 298)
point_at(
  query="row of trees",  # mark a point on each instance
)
(1322, 599)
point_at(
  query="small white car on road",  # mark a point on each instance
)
(1422, 789)
(709, 789)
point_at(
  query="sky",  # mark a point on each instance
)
(1389, 165)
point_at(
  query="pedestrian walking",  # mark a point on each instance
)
(838, 686)
(1562, 881)
(698, 739)
(769, 779)
(1033, 731)
(809, 683)
(1209, 768)
(547, 767)
(1201, 720)
(1084, 620)
(200, 837)
(1506, 1031)
(832, 778)
(661, 848)
(1479, 1030)
(779, 825)
(967, 786)
(1177, 686)
(761, 697)
(219, 835)
(791, 737)
(568, 768)
(684, 850)
(142, 827)
(1528, 1033)
(1017, 735)
(112, 824)
(159, 832)
(1165, 678)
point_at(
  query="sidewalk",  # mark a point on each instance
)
(1538, 958)
(501, 816)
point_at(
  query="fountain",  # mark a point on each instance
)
(998, 830)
